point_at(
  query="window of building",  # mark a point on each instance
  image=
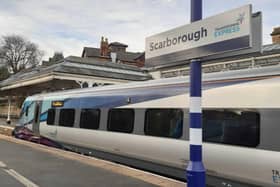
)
(121, 120)
(164, 123)
(90, 118)
(231, 127)
(51, 116)
(67, 117)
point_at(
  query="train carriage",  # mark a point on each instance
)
(146, 125)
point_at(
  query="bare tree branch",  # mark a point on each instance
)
(18, 53)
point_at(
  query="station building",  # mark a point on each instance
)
(116, 52)
(109, 64)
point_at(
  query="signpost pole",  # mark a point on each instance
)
(195, 169)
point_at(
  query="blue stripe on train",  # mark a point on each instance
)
(135, 96)
(44, 116)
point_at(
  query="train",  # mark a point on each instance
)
(146, 125)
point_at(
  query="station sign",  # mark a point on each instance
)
(225, 32)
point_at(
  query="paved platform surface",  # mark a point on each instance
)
(27, 164)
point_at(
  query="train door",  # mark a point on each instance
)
(36, 121)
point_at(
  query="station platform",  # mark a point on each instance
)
(25, 163)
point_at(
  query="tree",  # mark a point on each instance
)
(18, 53)
(56, 57)
(4, 73)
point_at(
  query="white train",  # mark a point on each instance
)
(146, 125)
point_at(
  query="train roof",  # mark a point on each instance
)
(226, 76)
(251, 95)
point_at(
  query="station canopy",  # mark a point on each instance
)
(71, 72)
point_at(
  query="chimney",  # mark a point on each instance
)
(276, 35)
(104, 47)
(114, 57)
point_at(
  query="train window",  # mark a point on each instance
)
(67, 117)
(231, 127)
(31, 110)
(121, 120)
(90, 118)
(51, 116)
(164, 123)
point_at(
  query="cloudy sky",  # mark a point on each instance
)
(69, 25)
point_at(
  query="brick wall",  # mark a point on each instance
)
(275, 35)
(276, 39)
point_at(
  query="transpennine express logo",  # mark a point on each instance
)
(231, 28)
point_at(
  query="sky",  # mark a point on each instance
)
(69, 25)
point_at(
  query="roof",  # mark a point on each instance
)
(233, 96)
(91, 52)
(106, 63)
(118, 44)
(271, 48)
(121, 55)
(81, 66)
(128, 56)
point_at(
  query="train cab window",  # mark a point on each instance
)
(231, 127)
(67, 117)
(51, 116)
(164, 123)
(121, 120)
(90, 118)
